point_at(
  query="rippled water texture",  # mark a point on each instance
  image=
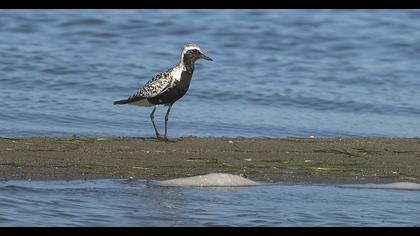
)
(141, 203)
(275, 72)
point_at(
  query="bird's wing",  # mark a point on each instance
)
(157, 85)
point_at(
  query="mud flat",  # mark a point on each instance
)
(287, 160)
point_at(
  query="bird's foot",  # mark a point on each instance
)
(160, 138)
(165, 139)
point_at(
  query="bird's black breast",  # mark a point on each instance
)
(175, 92)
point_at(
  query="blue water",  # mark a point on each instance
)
(275, 72)
(143, 203)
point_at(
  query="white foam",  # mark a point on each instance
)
(210, 180)
(398, 185)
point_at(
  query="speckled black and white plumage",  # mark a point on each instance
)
(168, 87)
(153, 88)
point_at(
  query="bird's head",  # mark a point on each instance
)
(192, 52)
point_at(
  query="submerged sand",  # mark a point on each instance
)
(293, 160)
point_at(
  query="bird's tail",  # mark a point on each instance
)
(124, 101)
(138, 101)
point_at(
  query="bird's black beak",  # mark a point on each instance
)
(205, 57)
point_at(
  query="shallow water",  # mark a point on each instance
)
(144, 203)
(275, 72)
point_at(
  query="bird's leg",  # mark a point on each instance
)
(152, 117)
(166, 122)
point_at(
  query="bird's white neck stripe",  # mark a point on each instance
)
(177, 72)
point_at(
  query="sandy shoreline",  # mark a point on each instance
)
(290, 160)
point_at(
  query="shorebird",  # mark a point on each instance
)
(168, 87)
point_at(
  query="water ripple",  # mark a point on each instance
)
(296, 62)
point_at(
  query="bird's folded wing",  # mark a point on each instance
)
(159, 84)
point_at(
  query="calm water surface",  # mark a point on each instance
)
(142, 203)
(275, 72)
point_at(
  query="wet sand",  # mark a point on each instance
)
(287, 160)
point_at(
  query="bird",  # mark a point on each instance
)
(167, 87)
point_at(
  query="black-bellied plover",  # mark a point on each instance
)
(169, 86)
